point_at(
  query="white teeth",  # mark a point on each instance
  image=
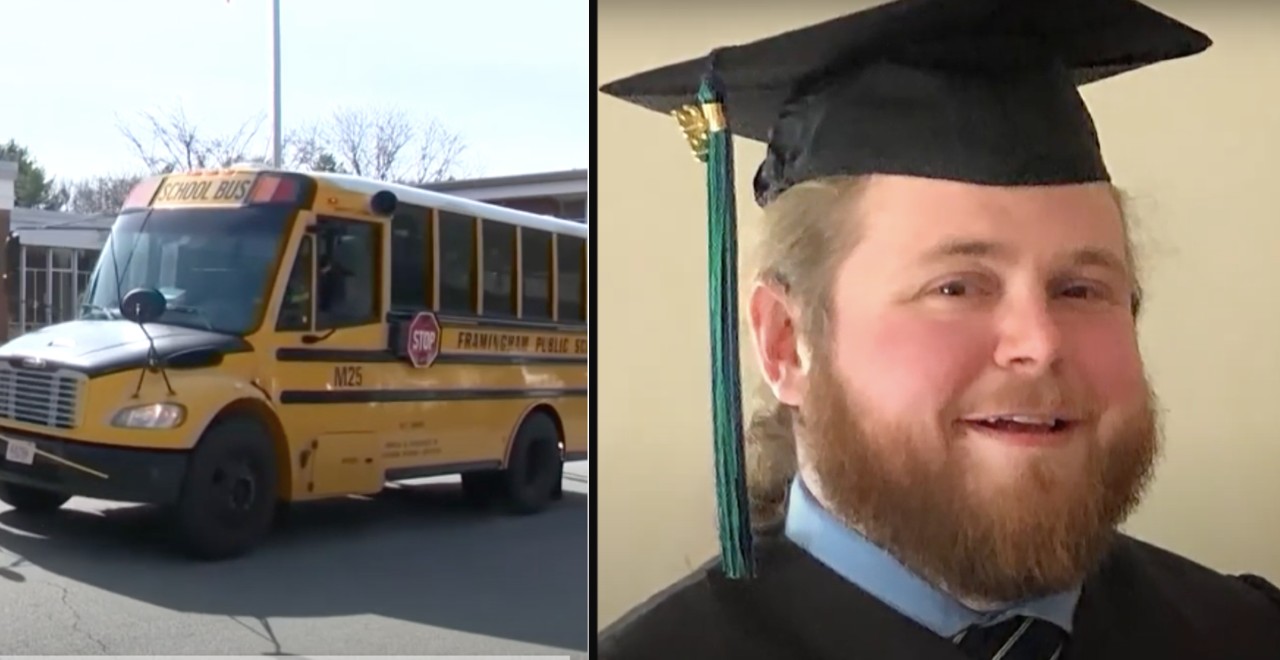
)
(1025, 419)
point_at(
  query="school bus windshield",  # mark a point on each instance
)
(213, 266)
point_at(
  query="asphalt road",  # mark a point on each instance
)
(412, 571)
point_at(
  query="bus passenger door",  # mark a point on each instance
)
(331, 355)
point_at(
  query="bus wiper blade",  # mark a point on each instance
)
(192, 310)
(105, 311)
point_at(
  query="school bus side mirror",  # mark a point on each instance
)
(143, 305)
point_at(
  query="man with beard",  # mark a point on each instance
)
(945, 316)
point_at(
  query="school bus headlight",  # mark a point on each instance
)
(151, 416)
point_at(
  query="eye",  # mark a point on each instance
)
(961, 287)
(1085, 291)
(1077, 291)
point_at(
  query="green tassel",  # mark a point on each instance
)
(726, 388)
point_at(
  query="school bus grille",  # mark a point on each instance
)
(38, 396)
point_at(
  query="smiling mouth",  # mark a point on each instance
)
(1046, 426)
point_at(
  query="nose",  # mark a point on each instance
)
(1028, 338)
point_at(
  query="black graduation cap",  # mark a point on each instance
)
(981, 91)
(973, 90)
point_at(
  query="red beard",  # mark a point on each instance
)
(1043, 534)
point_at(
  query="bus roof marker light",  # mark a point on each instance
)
(271, 188)
(142, 193)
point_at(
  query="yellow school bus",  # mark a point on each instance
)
(252, 337)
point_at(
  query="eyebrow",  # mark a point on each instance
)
(1085, 256)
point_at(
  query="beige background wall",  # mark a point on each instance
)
(1197, 142)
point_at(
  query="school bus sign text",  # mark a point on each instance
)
(190, 190)
(510, 342)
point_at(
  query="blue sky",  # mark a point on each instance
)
(510, 76)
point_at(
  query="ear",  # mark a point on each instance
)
(780, 351)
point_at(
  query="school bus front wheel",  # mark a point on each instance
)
(228, 498)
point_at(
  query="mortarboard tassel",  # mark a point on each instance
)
(708, 132)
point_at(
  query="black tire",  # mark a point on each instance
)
(532, 476)
(26, 499)
(228, 499)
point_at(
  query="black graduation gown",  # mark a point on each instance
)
(1143, 602)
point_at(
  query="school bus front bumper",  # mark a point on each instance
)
(125, 474)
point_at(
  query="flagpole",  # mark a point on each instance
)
(275, 84)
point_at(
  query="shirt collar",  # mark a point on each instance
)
(854, 557)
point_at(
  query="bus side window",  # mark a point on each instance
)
(347, 291)
(457, 263)
(499, 240)
(535, 247)
(569, 255)
(411, 262)
(295, 308)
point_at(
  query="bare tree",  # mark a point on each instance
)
(168, 141)
(306, 149)
(103, 194)
(439, 154)
(368, 143)
(382, 143)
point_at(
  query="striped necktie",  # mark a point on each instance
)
(1017, 638)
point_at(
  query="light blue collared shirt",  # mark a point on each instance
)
(855, 558)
